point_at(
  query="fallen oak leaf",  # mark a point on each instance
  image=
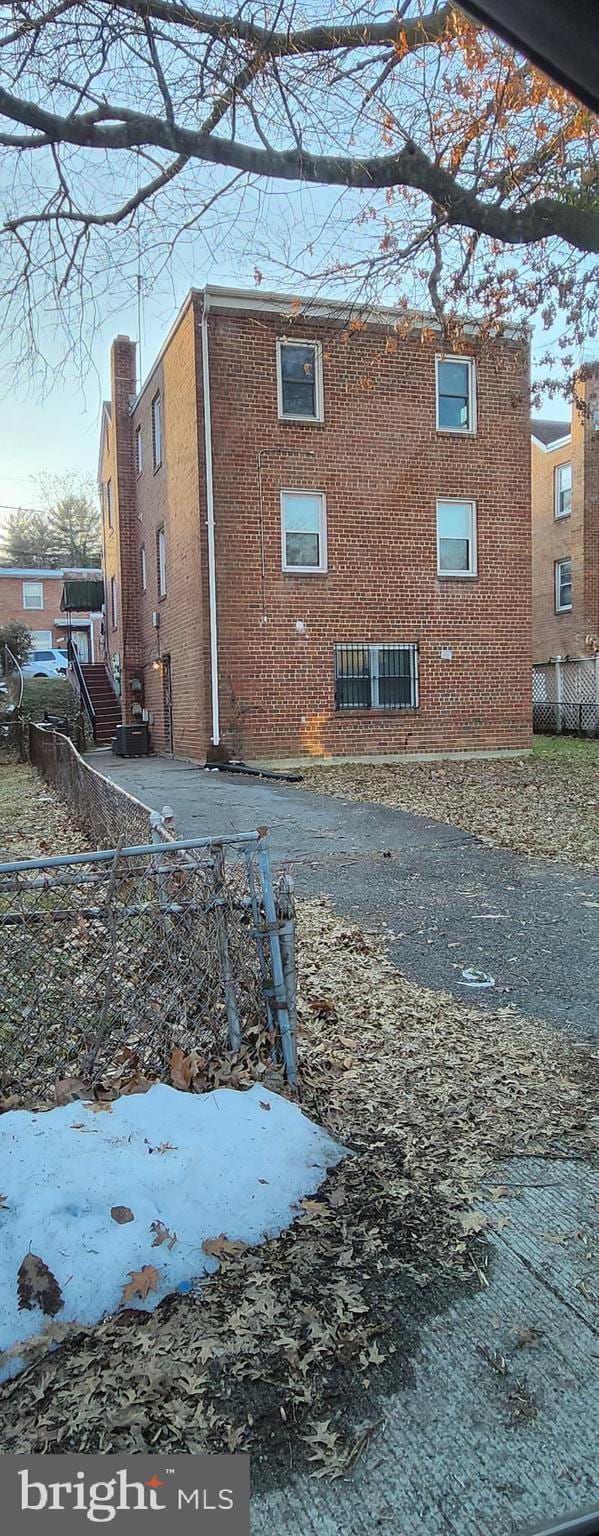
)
(98, 1105)
(141, 1282)
(473, 1221)
(66, 1089)
(223, 1247)
(263, 1104)
(181, 1069)
(162, 1235)
(38, 1287)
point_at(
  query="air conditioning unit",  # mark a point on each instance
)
(132, 741)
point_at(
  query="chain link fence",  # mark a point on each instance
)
(169, 961)
(102, 809)
(148, 958)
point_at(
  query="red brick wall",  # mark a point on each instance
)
(119, 540)
(382, 464)
(172, 496)
(576, 536)
(586, 433)
(11, 608)
(555, 634)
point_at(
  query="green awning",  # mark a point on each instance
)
(82, 595)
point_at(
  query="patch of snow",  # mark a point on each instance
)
(221, 1162)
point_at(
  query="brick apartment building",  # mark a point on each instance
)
(316, 535)
(33, 598)
(565, 528)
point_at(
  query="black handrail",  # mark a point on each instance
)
(84, 692)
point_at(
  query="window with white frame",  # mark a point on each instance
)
(376, 676)
(114, 602)
(456, 394)
(299, 380)
(456, 537)
(33, 594)
(139, 457)
(562, 480)
(304, 534)
(161, 561)
(157, 431)
(41, 639)
(109, 512)
(563, 586)
(144, 568)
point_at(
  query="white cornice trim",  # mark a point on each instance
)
(560, 442)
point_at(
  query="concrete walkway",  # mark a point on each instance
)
(498, 1427)
(446, 900)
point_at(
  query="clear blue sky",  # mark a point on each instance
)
(59, 433)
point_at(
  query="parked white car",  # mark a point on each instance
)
(51, 663)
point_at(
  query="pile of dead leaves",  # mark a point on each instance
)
(541, 805)
(289, 1350)
(33, 821)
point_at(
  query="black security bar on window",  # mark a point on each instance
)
(376, 676)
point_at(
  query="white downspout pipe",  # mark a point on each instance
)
(210, 524)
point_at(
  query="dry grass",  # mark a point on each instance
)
(546, 805)
(33, 821)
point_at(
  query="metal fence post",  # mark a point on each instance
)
(223, 950)
(286, 911)
(168, 821)
(278, 975)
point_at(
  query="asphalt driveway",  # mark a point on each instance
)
(445, 900)
(496, 1432)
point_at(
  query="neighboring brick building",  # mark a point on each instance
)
(565, 529)
(327, 550)
(33, 597)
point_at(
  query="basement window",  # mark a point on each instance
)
(456, 394)
(563, 586)
(376, 676)
(299, 380)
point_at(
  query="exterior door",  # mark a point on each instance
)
(81, 638)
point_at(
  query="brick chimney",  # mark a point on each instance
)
(123, 392)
